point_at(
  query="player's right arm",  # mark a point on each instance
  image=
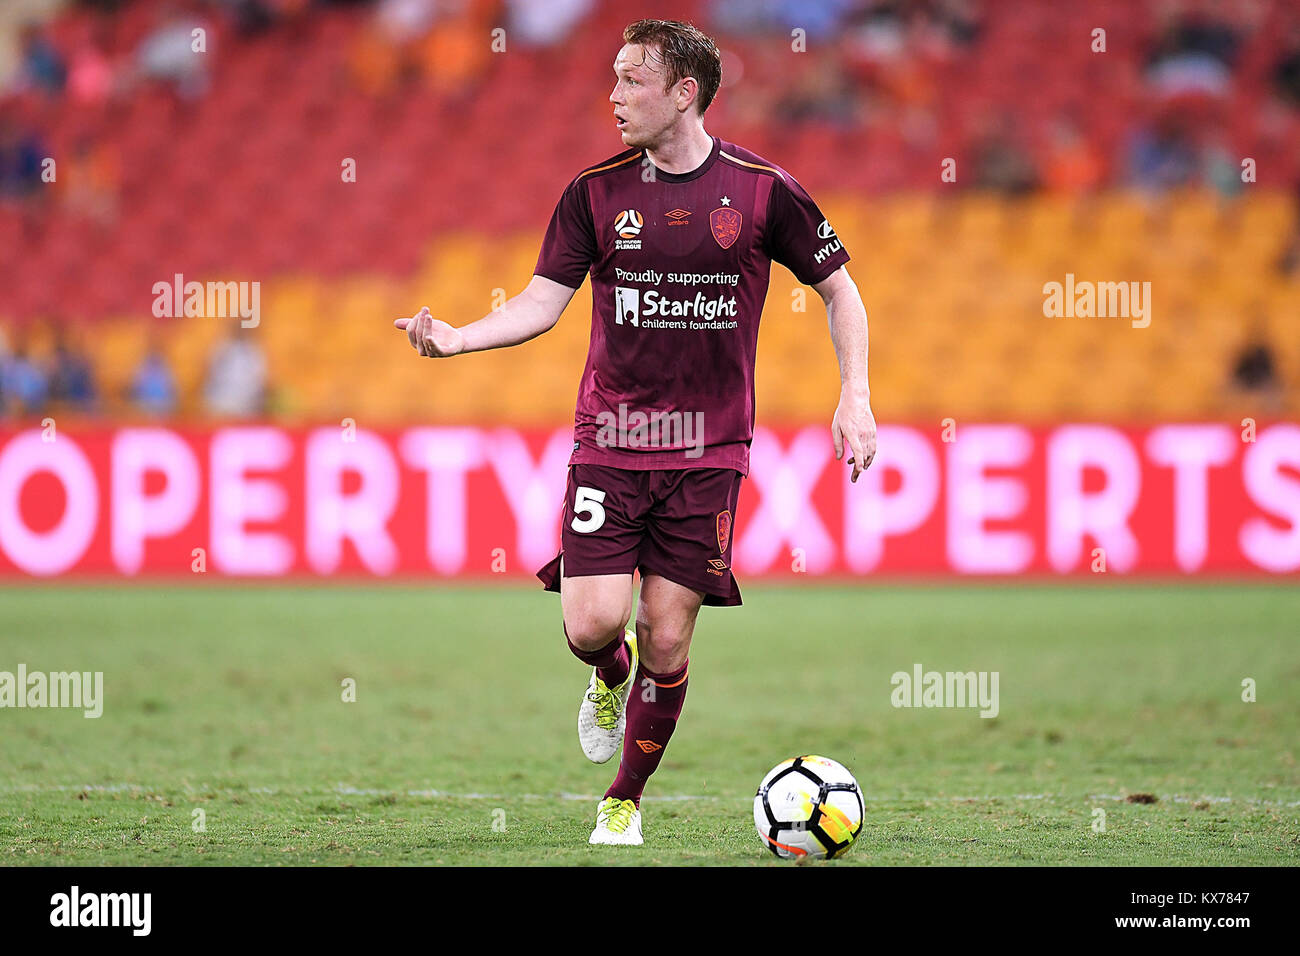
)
(526, 316)
(568, 250)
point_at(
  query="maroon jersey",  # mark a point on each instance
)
(679, 268)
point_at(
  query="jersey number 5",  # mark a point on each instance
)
(587, 501)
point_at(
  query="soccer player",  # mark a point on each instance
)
(678, 232)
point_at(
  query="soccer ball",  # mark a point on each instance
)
(808, 807)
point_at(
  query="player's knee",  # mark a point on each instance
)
(591, 629)
(664, 647)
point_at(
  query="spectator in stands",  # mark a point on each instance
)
(1221, 168)
(543, 23)
(894, 30)
(236, 381)
(91, 182)
(248, 17)
(23, 384)
(405, 21)
(880, 28)
(1001, 160)
(167, 54)
(92, 77)
(1195, 54)
(745, 18)
(383, 53)
(1073, 165)
(21, 156)
(455, 54)
(1254, 375)
(820, 90)
(41, 67)
(71, 379)
(1286, 73)
(1163, 155)
(153, 387)
(820, 19)
(958, 21)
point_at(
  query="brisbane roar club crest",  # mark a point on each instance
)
(725, 224)
(724, 531)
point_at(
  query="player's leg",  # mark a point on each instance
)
(596, 609)
(600, 536)
(665, 621)
(685, 562)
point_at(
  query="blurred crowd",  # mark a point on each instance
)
(234, 386)
(878, 69)
(876, 65)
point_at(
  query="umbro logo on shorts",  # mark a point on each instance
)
(717, 566)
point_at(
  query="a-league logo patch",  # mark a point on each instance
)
(724, 531)
(725, 223)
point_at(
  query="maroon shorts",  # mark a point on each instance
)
(676, 524)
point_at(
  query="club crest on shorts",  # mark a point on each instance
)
(725, 223)
(724, 531)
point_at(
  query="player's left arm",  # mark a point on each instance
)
(853, 424)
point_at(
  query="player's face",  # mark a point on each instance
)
(643, 110)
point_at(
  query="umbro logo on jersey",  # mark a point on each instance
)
(679, 217)
(628, 224)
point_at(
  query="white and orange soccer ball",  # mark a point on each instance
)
(808, 807)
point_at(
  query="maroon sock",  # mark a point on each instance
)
(652, 713)
(612, 662)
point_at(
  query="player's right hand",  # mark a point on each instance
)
(431, 337)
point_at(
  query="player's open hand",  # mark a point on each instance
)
(854, 426)
(431, 337)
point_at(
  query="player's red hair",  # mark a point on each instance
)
(685, 50)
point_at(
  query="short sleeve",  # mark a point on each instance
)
(798, 235)
(569, 248)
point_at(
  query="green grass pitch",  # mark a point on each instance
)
(460, 747)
